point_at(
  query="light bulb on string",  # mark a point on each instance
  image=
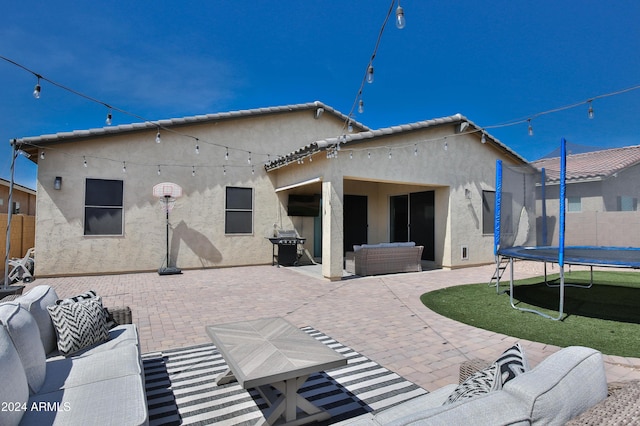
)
(226, 155)
(124, 167)
(159, 172)
(400, 21)
(224, 170)
(483, 139)
(446, 145)
(37, 88)
(590, 111)
(351, 155)
(42, 155)
(253, 170)
(370, 74)
(109, 118)
(349, 126)
(530, 128)
(369, 154)
(197, 148)
(84, 161)
(389, 154)
(158, 137)
(193, 170)
(361, 106)
(249, 159)
(415, 149)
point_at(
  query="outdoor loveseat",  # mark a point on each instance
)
(60, 364)
(384, 258)
(507, 392)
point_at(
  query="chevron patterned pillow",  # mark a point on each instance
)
(79, 324)
(480, 382)
(512, 363)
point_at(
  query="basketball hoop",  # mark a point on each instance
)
(169, 191)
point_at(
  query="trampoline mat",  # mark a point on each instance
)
(623, 257)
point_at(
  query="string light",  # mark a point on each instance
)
(37, 88)
(197, 147)
(224, 170)
(159, 172)
(483, 139)
(109, 117)
(84, 161)
(226, 155)
(158, 137)
(415, 149)
(400, 21)
(193, 170)
(590, 111)
(389, 153)
(42, 155)
(124, 167)
(249, 159)
(361, 106)
(370, 74)
(530, 129)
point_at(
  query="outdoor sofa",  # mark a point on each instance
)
(384, 258)
(51, 373)
(563, 386)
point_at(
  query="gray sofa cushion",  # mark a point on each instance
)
(493, 408)
(13, 382)
(562, 386)
(24, 333)
(36, 302)
(117, 402)
(66, 373)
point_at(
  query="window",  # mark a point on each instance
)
(627, 204)
(238, 213)
(103, 207)
(574, 204)
(488, 211)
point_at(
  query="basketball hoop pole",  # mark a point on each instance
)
(169, 191)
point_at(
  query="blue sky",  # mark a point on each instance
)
(493, 61)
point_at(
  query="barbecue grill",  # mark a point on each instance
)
(289, 251)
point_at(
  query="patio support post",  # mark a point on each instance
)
(332, 228)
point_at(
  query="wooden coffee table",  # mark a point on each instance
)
(272, 355)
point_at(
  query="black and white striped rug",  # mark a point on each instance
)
(181, 388)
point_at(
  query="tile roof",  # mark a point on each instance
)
(593, 165)
(354, 138)
(123, 128)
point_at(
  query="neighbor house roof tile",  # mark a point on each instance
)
(591, 165)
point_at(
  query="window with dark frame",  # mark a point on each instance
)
(488, 211)
(103, 207)
(238, 214)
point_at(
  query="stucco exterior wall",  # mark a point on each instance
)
(198, 236)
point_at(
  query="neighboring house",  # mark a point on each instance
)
(426, 182)
(23, 209)
(601, 197)
(23, 199)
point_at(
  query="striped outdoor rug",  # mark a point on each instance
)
(181, 388)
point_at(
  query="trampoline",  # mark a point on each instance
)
(530, 212)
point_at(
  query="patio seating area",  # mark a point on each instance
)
(380, 317)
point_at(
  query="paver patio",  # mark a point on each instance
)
(381, 317)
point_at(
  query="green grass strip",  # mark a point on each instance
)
(605, 317)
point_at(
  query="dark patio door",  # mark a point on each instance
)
(354, 221)
(413, 219)
(422, 222)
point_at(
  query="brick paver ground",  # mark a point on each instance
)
(381, 317)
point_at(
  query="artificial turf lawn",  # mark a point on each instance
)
(605, 317)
